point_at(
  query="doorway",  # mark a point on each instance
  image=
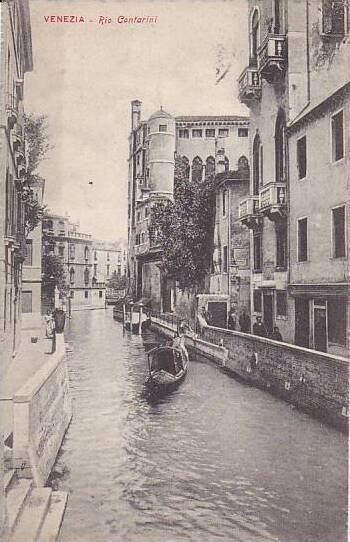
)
(302, 322)
(320, 325)
(217, 314)
(268, 311)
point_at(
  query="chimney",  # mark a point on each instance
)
(135, 113)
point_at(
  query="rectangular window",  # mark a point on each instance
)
(95, 269)
(138, 216)
(339, 232)
(257, 247)
(337, 136)
(163, 128)
(197, 133)
(107, 270)
(210, 132)
(336, 308)
(257, 300)
(61, 252)
(302, 240)
(224, 267)
(334, 17)
(72, 294)
(223, 132)
(183, 133)
(224, 202)
(100, 294)
(29, 253)
(301, 157)
(281, 303)
(281, 247)
(27, 302)
(242, 132)
(146, 212)
(86, 294)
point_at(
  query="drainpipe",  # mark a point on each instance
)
(229, 242)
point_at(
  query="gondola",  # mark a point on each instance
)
(167, 367)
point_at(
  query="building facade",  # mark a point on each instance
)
(62, 238)
(107, 261)
(153, 144)
(298, 149)
(15, 61)
(32, 269)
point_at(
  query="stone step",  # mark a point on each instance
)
(33, 515)
(15, 500)
(52, 523)
(9, 475)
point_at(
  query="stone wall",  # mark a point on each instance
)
(313, 381)
(42, 411)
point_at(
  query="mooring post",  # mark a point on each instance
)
(140, 318)
(124, 315)
(131, 307)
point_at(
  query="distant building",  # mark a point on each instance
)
(153, 144)
(32, 270)
(107, 261)
(299, 153)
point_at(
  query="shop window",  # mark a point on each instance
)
(183, 133)
(223, 132)
(29, 253)
(225, 262)
(281, 303)
(257, 300)
(334, 17)
(302, 240)
(301, 157)
(337, 136)
(336, 308)
(257, 247)
(339, 249)
(281, 246)
(197, 133)
(163, 128)
(242, 132)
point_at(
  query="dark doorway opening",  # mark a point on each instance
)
(302, 322)
(217, 314)
(268, 311)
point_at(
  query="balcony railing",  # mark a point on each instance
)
(249, 85)
(272, 57)
(273, 200)
(11, 109)
(141, 249)
(249, 211)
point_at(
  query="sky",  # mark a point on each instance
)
(86, 74)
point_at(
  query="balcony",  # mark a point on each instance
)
(273, 201)
(249, 85)
(272, 57)
(248, 212)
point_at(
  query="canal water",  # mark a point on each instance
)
(215, 460)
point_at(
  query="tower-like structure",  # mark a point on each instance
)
(161, 149)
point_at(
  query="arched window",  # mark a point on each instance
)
(280, 146)
(71, 276)
(227, 163)
(86, 276)
(197, 169)
(257, 173)
(255, 38)
(86, 253)
(242, 163)
(186, 166)
(209, 166)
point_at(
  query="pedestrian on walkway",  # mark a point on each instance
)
(259, 328)
(202, 320)
(232, 319)
(276, 334)
(49, 324)
(244, 321)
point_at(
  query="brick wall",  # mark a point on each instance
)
(314, 381)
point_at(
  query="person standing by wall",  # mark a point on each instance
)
(244, 321)
(259, 328)
(232, 319)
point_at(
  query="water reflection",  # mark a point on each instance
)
(213, 460)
